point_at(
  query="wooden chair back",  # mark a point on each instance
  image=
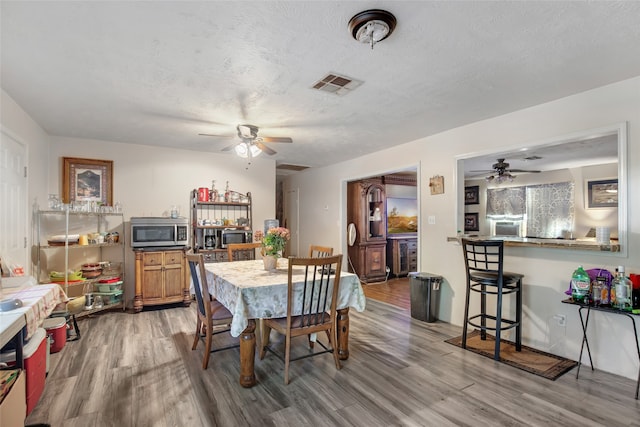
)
(242, 251)
(311, 307)
(199, 279)
(316, 251)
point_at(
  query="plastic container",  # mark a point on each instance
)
(110, 297)
(35, 365)
(56, 328)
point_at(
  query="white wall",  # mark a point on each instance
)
(547, 271)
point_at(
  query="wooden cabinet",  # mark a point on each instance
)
(161, 278)
(402, 254)
(367, 211)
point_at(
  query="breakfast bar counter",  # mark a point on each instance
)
(579, 244)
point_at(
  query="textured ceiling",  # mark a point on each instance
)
(160, 73)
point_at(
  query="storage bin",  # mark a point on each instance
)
(35, 366)
(110, 297)
(56, 328)
(108, 287)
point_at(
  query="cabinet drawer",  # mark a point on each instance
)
(412, 245)
(152, 258)
(173, 257)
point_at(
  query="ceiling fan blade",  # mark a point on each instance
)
(229, 147)
(276, 139)
(264, 148)
(217, 136)
(522, 170)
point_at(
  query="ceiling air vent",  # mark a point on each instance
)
(337, 84)
(534, 157)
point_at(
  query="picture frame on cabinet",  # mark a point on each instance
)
(601, 193)
(471, 222)
(87, 180)
(472, 195)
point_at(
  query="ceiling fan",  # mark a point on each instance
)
(250, 144)
(501, 171)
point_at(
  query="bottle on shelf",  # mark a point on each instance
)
(622, 286)
(227, 194)
(580, 285)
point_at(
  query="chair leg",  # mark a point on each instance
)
(496, 353)
(265, 331)
(197, 334)
(483, 312)
(519, 316)
(466, 316)
(207, 346)
(311, 343)
(287, 358)
(333, 340)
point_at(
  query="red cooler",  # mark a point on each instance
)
(57, 331)
(35, 361)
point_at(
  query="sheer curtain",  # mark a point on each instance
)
(550, 209)
(506, 203)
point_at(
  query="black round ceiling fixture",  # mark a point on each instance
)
(372, 26)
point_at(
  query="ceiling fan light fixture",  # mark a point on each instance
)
(372, 26)
(246, 150)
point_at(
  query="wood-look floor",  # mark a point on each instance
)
(139, 370)
(394, 291)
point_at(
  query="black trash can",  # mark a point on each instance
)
(425, 295)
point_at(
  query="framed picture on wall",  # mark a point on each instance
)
(87, 180)
(472, 195)
(471, 222)
(402, 215)
(602, 193)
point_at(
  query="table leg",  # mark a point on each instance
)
(342, 319)
(585, 324)
(247, 355)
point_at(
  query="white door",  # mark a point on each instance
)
(291, 217)
(13, 201)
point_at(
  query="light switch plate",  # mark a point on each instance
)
(431, 219)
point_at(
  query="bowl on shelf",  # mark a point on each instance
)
(91, 270)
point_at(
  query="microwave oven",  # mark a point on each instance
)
(159, 231)
(229, 236)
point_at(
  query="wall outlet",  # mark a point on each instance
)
(561, 319)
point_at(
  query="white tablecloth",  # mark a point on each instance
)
(250, 292)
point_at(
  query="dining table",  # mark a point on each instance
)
(250, 292)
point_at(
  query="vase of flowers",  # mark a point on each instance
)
(273, 244)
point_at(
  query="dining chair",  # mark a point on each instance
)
(311, 308)
(212, 317)
(484, 260)
(316, 251)
(242, 251)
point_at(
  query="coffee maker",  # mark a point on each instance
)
(210, 239)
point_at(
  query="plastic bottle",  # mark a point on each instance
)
(622, 286)
(580, 285)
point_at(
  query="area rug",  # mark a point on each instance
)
(529, 359)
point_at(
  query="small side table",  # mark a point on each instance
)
(584, 320)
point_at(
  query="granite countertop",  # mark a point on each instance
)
(580, 244)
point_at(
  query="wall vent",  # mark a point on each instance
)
(336, 84)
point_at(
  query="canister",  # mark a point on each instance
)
(203, 194)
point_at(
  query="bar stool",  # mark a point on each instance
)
(485, 275)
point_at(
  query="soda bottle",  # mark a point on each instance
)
(580, 285)
(622, 285)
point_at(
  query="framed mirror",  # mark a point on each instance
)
(556, 192)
